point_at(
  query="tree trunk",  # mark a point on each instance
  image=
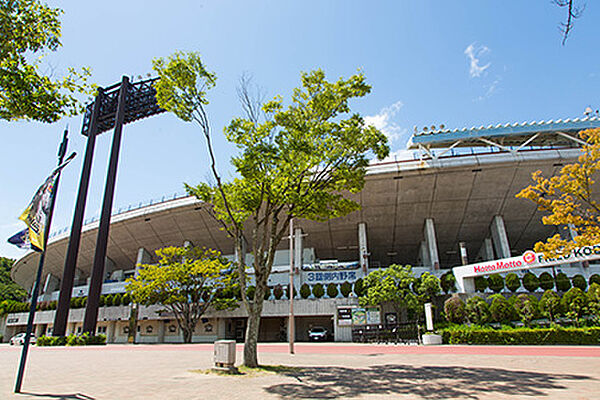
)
(187, 336)
(251, 340)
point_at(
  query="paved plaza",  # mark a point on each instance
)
(326, 371)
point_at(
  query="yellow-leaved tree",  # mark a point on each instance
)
(569, 199)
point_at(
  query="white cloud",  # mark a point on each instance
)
(474, 54)
(384, 121)
(399, 155)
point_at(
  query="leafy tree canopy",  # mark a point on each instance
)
(390, 285)
(568, 198)
(28, 31)
(186, 281)
(9, 290)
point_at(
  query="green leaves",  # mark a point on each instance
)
(28, 29)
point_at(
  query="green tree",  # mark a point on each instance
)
(502, 311)
(574, 303)
(9, 290)
(318, 291)
(595, 278)
(332, 290)
(562, 282)
(185, 281)
(526, 307)
(278, 292)
(296, 163)
(455, 310)
(531, 282)
(495, 283)
(448, 282)
(481, 283)
(305, 291)
(550, 305)
(546, 281)
(29, 31)
(513, 283)
(428, 288)
(358, 287)
(391, 285)
(593, 299)
(345, 289)
(579, 281)
(478, 310)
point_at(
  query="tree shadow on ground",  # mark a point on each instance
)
(74, 396)
(429, 382)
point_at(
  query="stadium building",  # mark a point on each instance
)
(455, 198)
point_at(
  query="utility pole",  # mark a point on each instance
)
(291, 327)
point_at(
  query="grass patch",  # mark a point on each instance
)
(253, 372)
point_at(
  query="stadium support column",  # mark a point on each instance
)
(424, 255)
(500, 238)
(298, 249)
(431, 244)
(91, 309)
(66, 286)
(143, 257)
(363, 250)
(487, 250)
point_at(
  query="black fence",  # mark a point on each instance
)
(406, 332)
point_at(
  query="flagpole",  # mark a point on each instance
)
(36, 288)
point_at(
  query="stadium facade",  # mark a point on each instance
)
(455, 198)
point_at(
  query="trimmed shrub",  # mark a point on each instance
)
(495, 283)
(332, 290)
(455, 310)
(526, 307)
(102, 300)
(513, 283)
(278, 292)
(546, 281)
(287, 292)
(578, 281)
(522, 336)
(267, 293)
(531, 282)
(550, 305)
(593, 298)
(305, 291)
(318, 291)
(358, 287)
(594, 279)
(573, 303)
(126, 299)
(501, 310)
(478, 310)
(562, 282)
(346, 289)
(480, 283)
(117, 299)
(448, 282)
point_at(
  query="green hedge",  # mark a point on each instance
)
(522, 336)
(71, 340)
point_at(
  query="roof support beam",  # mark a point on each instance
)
(577, 140)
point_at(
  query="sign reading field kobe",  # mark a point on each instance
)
(527, 260)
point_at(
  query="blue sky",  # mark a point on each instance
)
(457, 63)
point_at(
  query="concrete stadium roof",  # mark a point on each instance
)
(461, 193)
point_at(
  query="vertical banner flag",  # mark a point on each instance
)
(36, 213)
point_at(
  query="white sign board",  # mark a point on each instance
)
(527, 260)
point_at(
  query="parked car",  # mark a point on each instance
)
(318, 333)
(19, 339)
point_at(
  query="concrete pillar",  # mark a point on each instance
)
(109, 267)
(487, 250)
(463, 253)
(431, 243)
(298, 250)
(40, 329)
(363, 250)
(50, 285)
(111, 331)
(143, 257)
(424, 255)
(161, 331)
(465, 285)
(500, 238)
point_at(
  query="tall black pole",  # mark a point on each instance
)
(66, 285)
(36, 287)
(91, 309)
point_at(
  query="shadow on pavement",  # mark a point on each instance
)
(74, 396)
(428, 382)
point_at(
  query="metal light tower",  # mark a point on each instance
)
(113, 107)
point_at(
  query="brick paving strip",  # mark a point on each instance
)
(326, 371)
